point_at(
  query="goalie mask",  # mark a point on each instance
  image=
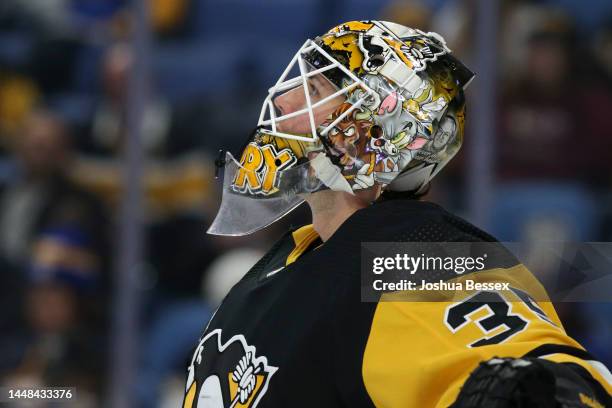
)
(368, 103)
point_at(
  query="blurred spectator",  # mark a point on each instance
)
(50, 17)
(36, 38)
(18, 95)
(60, 341)
(520, 20)
(108, 125)
(177, 176)
(550, 122)
(38, 196)
(41, 194)
(163, 135)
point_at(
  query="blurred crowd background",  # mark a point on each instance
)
(64, 80)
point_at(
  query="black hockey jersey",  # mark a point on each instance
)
(295, 333)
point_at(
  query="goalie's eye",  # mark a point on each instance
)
(333, 132)
(349, 132)
(312, 88)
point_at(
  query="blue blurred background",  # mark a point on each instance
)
(109, 294)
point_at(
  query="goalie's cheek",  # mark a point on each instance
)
(299, 124)
(324, 112)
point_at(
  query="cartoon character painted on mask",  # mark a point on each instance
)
(426, 105)
(361, 153)
(400, 127)
(348, 139)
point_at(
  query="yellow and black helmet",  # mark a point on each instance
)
(369, 103)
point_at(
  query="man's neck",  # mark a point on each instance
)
(330, 209)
